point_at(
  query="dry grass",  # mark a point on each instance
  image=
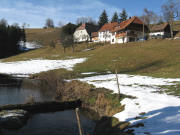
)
(159, 58)
(43, 36)
(56, 53)
(176, 26)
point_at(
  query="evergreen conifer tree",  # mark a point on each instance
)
(103, 19)
(123, 15)
(115, 17)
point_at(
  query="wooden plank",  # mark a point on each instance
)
(40, 107)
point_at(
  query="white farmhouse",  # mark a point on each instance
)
(160, 31)
(104, 34)
(83, 32)
(129, 31)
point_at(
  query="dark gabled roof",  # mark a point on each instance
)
(89, 28)
(158, 27)
(126, 23)
(177, 34)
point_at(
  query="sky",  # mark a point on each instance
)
(35, 12)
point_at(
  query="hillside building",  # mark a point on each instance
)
(83, 32)
(130, 30)
(160, 31)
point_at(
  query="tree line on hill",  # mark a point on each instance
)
(10, 36)
(49, 23)
(169, 12)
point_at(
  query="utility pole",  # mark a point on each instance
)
(143, 27)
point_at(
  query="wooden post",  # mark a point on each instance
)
(78, 120)
(143, 27)
(117, 83)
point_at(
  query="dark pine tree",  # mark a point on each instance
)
(115, 17)
(23, 36)
(10, 36)
(103, 19)
(66, 36)
(123, 15)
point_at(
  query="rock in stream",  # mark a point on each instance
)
(13, 119)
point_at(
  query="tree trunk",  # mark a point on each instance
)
(87, 44)
(73, 48)
(64, 49)
(171, 28)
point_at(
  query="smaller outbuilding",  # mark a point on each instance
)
(83, 32)
(160, 31)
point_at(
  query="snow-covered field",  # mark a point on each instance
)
(162, 110)
(25, 68)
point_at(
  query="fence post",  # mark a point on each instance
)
(117, 83)
(78, 120)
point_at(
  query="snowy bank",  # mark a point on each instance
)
(162, 110)
(25, 68)
(29, 46)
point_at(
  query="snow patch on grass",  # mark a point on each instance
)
(89, 73)
(162, 111)
(25, 68)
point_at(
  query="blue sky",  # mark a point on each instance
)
(35, 12)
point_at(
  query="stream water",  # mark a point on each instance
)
(57, 123)
(24, 92)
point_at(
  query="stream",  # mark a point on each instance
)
(56, 123)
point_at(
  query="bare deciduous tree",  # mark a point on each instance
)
(49, 23)
(82, 20)
(170, 11)
(149, 17)
(3, 22)
(67, 41)
(60, 24)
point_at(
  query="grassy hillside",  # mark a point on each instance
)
(159, 58)
(43, 36)
(176, 26)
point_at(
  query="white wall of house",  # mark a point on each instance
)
(156, 33)
(104, 36)
(81, 36)
(119, 40)
(113, 38)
